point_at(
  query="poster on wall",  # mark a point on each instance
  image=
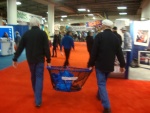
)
(141, 33)
(144, 59)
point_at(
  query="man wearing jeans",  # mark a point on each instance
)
(106, 47)
(35, 42)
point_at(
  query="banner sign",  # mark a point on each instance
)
(94, 23)
(25, 17)
(78, 28)
(8, 30)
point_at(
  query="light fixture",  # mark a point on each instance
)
(81, 9)
(64, 16)
(122, 7)
(90, 14)
(18, 3)
(88, 10)
(61, 19)
(94, 18)
(123, 13)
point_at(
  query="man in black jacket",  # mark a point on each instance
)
(35, 42)
(106, 47)
(118, 35)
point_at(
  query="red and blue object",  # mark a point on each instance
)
(68, 79)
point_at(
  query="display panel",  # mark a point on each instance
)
(144, 59)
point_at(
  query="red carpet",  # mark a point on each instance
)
(16, 96)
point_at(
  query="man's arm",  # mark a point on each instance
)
(18, 52)
(94, 52)
(46, 49)
(19, 49)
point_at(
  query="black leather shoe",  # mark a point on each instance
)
(38, 105)
(98, 97)
(107, 110)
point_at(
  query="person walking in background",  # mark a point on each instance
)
(35, 42)
(89, 42)
(55, 44)
(127, 38)
(67, 43)
(17, 39)
(114, 29)
(106, 46)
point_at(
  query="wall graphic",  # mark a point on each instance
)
(141, 33)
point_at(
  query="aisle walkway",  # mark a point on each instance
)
(6, 61)
(16, 96)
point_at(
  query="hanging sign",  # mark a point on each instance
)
(78, 28)
(94, 23)
(25, 17)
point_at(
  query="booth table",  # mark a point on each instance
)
(7, 47)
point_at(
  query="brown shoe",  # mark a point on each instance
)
(107, 110)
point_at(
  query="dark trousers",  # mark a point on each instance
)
(54, 51)
(37, 80)
(67, 54)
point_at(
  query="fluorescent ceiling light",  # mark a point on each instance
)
(90, 14)
(123, 7)
(63, 16)
(61, 19)
(123, 13)
(18, 3)
(81, 9)
(94, 18)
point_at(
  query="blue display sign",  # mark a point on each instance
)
(8, 29)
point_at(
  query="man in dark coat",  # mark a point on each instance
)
(35, 42)
(118, 35)
(106, 47)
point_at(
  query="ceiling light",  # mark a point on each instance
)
(61, 19)
(88, 10)
(63, 16)
(18, 3)
(123, 7)
(90, 14)
(94, 18)
(81, 9)
(123, 13)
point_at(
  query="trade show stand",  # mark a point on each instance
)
(117, 73)
(7, 46)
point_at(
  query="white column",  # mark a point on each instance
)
(11, 12)
(0, 20)
(51, 18)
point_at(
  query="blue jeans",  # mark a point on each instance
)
(37, 80)
(101, 81)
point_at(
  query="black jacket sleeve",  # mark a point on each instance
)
(94, 52)
(19, 49)
(46, 48)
